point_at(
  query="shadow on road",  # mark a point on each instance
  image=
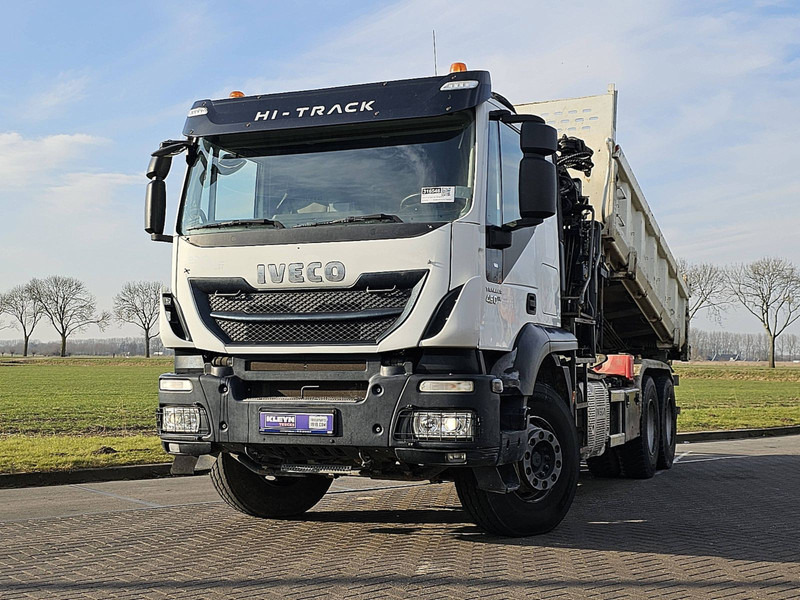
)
(734, 507)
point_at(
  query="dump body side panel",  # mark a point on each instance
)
(644, 298)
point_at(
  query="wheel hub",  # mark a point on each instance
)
(541, 466)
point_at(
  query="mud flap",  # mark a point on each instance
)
(183, 465)
(500, 480)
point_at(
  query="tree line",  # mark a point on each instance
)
(67, 304)
(116, 346)
(727, 345)
(768, 289)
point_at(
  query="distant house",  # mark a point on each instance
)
(723, 356)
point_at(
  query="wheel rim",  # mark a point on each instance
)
(540, 468)
(651, 427)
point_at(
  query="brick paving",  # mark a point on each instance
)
(723, 523)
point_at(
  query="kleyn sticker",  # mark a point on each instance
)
(446, 193)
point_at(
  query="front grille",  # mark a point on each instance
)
(309, 301)
(303, 333)
(362, 314)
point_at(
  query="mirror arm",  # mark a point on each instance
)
(506, 116)
(172, 147)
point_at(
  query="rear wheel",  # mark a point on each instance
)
(255, 495)
(640, 456)
(605, 465)
(669, 422)
(548, 474)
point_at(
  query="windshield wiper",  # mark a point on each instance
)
(238, 223)
(356, 219)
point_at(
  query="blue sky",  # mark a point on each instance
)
(709, 98)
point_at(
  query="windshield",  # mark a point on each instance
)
(415, 172)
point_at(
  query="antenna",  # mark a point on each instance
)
(435, 70)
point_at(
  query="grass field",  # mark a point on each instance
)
(67, 413)
(731, 396)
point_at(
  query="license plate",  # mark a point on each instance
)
(286, 422)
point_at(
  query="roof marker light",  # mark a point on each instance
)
(458, 67)
(466, 84)
(236, 94)
(198, 112)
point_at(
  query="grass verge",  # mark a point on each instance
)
(25, 454)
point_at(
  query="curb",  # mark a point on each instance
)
(737, 434)
(149, 471)
(158, 470)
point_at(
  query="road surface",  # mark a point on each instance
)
(724, 522)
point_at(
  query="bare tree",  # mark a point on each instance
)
(138, 303)
(68, 305)
(19, 305)
(707, 287)
(769, 289)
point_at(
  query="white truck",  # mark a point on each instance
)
(415, 280)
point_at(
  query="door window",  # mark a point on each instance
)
(510, 157)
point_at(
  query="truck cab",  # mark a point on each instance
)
(394, 280)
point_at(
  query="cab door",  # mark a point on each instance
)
(522, 274)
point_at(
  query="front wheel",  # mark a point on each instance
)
(255, 495)
(548, 474)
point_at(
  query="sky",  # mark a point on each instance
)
(709, 100)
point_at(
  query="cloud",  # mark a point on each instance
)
(67, 89)
(35, 160)
(78, 193)
(706, 96)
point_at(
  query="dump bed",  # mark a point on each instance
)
(644, 301)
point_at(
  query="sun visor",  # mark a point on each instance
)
(390, 100)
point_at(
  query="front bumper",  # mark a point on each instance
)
(378, 422)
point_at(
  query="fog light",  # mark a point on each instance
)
(458, 457)
(180, 419)
(446, 386)
(497, 386)
(175, 385)
(443, 425)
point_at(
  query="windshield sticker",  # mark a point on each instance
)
(445, 193)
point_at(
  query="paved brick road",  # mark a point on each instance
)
(723, 523)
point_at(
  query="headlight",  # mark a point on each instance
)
(180, 419)
(440, 385)
(175, 385)
(443, 425)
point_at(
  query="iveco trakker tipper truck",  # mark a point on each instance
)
(414, 280)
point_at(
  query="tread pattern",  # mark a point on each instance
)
(666, 397)
(634, 455)
(253, 495)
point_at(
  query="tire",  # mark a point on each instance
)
(639, 457)
(258, 496)
(605, 465)
(669, 423)
(531, 511)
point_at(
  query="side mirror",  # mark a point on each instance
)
(159, 167)
(155, 207)
(538, 183)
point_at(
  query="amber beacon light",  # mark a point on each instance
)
(236, 94)
(458, 67)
